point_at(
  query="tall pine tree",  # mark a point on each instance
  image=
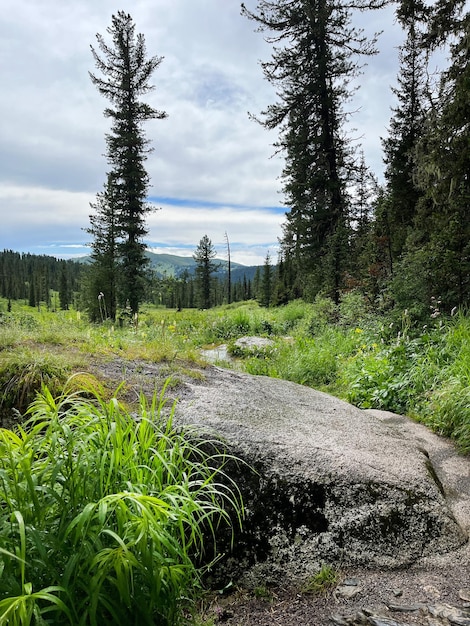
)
(311, 72)
(406, 128)
(443, 173)
(205, 267)
(125, 74)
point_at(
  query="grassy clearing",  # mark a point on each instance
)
(345, 350)
(105, 515)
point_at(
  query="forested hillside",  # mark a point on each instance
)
(42, 280)
(37, 279)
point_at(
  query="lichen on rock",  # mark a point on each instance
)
(322, 481)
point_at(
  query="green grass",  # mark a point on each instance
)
(105, 515)
(322, 582)
(23, 371)
(346, 350)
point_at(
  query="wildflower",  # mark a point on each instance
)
(358, 330)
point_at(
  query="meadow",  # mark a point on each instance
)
(107, 507)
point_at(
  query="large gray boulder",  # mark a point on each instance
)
(329, 483)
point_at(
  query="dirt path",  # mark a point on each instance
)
(421, 596)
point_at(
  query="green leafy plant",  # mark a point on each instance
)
(106, 515)
(263, 593)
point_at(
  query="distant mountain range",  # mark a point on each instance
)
(173, 265)
(166, 265)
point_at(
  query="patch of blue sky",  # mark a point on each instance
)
(213, 89)
(207, 204)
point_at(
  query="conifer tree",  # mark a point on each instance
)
(442, 240)
(229, 271)
(102, 277)
(64, 289)
(311, 71)
(125, 74)
(205, 267)
(363, 203)
(406, 128)
(266, 282)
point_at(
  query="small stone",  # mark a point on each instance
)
(351, 582)
(464, 594)
(378, 620)
(397, 593)
(432, 592)
(459, 621)
(347, 591)
(453, 614)
(405, 608)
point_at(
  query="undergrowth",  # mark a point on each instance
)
(105, 514)
(394, 363)
(322, 582)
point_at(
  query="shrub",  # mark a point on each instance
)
(22, 374)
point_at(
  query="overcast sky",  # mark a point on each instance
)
(211, 170)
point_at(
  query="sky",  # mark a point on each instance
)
(212, 170)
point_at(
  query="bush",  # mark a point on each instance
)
(22, 374)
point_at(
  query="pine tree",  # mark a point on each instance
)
(406, 128)
(126, 73)
(64, 289)
(205, 267)
(363, 203)
(266, 282)
(102, 278)
(311, 73)
(229, 271)
(442, 244)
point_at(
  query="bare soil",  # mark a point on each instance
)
(391, 598)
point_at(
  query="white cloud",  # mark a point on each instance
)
(52, 222)
(52, 127)
(187, 225)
